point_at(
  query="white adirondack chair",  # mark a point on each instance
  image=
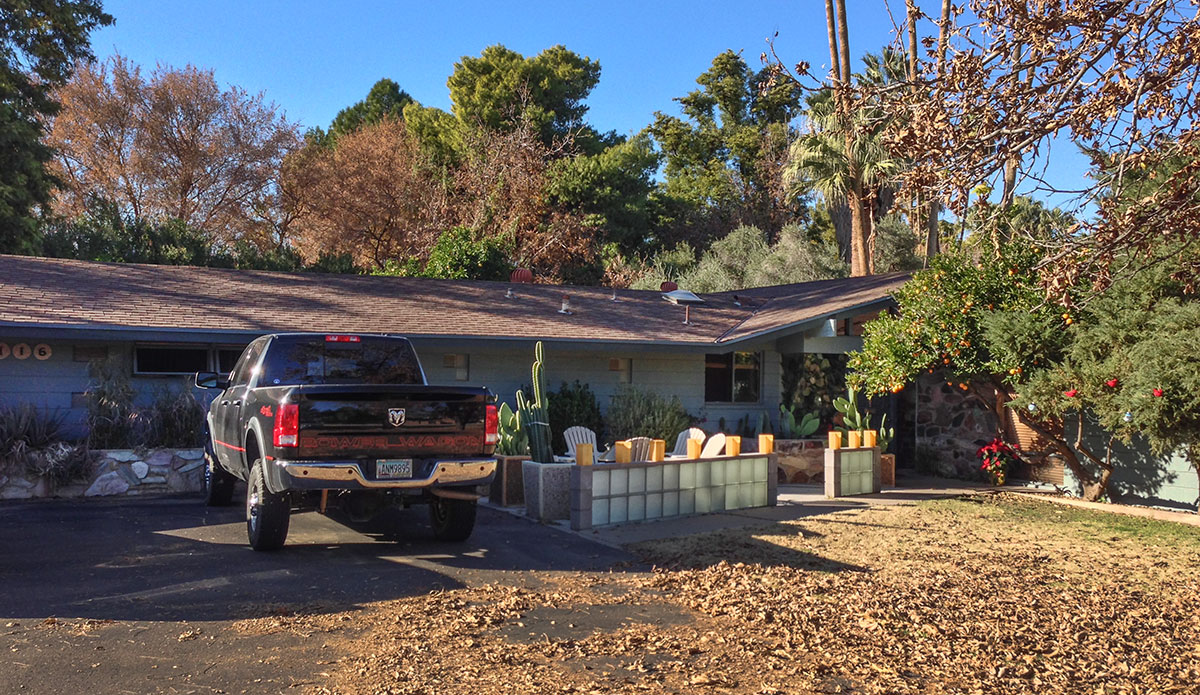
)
(715, 446)
(682, 440)
(579, 435)
(639, 449)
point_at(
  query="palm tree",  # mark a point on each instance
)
(844, 159)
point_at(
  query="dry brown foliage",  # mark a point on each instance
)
(994, 595)
(1117, 78)
(171, 144)
(375, 195)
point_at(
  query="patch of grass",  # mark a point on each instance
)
(1087, 524)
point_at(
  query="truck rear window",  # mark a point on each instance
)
(317, 361)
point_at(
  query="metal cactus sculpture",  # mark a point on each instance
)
(532, 414)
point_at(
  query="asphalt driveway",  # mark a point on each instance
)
(144, 595)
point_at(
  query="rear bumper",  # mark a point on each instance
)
(285, 475)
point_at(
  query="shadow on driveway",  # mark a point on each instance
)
(175, 559)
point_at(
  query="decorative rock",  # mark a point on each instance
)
(159, 470)
(16, 493)
(161, 457)
(140, 468)
(191, 466)
(20, 483)
(110, 483)
(154, 479)
(126, 473)
(178, 481)
(190, 454)
(122, 455)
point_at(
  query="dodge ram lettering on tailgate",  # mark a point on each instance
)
(312, 421)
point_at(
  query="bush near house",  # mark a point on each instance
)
(637, 413)
(573, 404)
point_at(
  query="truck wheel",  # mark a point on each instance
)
(218, 482)
(267, 513)
(452, 520)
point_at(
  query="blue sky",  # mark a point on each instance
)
(315, 58)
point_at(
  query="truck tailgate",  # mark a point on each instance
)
(389, 421)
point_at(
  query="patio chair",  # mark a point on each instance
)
(682, 440)
(579, 435)
(639, 449)
(715, 446)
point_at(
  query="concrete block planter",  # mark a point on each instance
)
(547, 490)
(508, 487)
(852, 471)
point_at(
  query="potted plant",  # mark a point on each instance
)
(546, 483)
(996, 459)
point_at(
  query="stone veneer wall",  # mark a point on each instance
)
(951, 425)
(120, 472)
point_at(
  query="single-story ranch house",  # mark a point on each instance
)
(165, 322)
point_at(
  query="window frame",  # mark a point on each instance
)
(731, 357)
(137, 347)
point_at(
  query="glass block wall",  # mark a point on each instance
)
(858, 471)
(641, 492)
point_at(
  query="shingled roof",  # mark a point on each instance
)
(46, 292)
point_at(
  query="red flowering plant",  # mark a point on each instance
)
(996, 457)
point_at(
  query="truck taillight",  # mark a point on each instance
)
(491, 426)
(287, 425)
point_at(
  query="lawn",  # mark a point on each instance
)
(978, 595)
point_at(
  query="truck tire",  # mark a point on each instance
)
(267, 513)
(452, 520)
(218, 483)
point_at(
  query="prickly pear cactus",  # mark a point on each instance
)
(532, 414)
(790, 429)
(852, 419)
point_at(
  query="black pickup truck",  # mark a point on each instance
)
(311, 421)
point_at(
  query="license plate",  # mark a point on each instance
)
(393, 469)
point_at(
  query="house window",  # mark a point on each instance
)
(170, 360)
(461, 364)
(624, 368)
(227, 358)
(732, 377)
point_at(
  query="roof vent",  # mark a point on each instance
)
(614, 297)
(509, 294)
(522, 275)
(687, 299)
(566, 305)
(668, 286)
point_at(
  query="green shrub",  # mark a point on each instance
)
(24, 429)
(174, 419)
(111, 419)
(573, 404)
(636, 413)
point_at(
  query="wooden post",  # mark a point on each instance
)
(733, 445)
(835, 440)
(694, 447)
(869, 438)
(583, 455)
(766, 443)
(658, 449)
(624, 451)
(855, 439)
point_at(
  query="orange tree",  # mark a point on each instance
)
(986, 326)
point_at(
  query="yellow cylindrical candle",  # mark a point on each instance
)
(835, 440)
(869, 438)
(854, 438)
(733, 445)
(766, 443)
(658, 449)
(695, 446)
(624, 451)
(583, 455)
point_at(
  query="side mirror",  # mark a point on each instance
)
(210, 380)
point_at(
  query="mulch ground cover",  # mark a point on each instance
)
(989, 594)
